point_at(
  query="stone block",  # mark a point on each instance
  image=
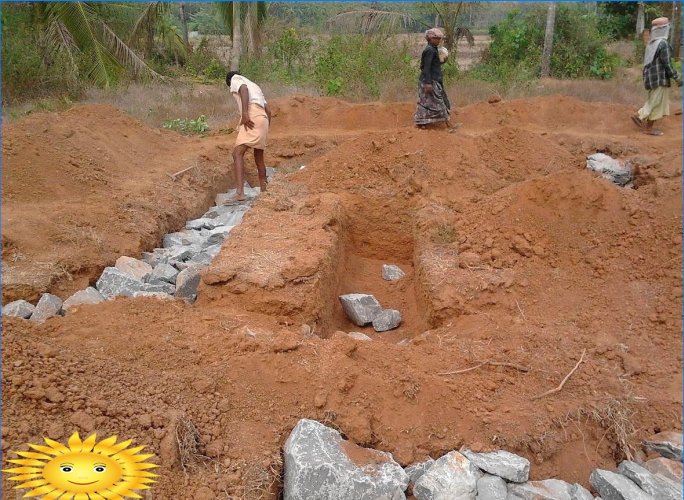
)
(386, 320)
(19, 309)
(360, 308)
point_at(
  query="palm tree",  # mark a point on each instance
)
(154, 32)
(78, 28)
(370, 21)
(243, 18)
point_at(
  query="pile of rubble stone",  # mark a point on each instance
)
(363, 309)
(319, 463)
(169, 272)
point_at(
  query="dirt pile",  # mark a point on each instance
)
(514, 254)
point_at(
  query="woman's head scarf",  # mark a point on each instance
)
(434, 33)
(660, 30)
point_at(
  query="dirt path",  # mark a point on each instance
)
(514, 253)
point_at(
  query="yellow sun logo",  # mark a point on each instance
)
(85, 470)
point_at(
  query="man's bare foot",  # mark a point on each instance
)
(654, 131)
(453, 128)
(263, 186)
(236, 198)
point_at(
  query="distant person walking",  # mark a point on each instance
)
(658, 72)
(433, 102)
(255, 119)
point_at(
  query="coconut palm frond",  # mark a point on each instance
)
(79, 19)
(464, 33)
(147, 21)
(370, 21)
(59, 39)
(124, 55)
(225, 10)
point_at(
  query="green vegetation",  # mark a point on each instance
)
(517, 43)
(185, 126)
(353, 50)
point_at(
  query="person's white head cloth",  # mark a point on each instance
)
(660, 30)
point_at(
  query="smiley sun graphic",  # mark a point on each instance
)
(85, 470)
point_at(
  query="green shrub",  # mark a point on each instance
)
(517, 44)
(356, 65)
(30, 71)
(184, 126)
(203, 63)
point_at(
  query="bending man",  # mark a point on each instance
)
(255, 118)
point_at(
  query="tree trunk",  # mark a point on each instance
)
(641, 20)
(236, 49)
(184, 24)
(548, 40)
(250, 27)
(676, 29)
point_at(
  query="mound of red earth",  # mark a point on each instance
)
(514, 255)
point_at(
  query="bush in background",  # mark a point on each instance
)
(578, 48)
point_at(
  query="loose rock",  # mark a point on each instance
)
(451, 477)
(491, 488)
(391, 272)
(616, 171)
(359, 336)
(18, 308)
(549, 489)
(652, 484)
(612, 486)
(163, 272)
(501, 463)
(667, 444)
(388, 319)
(360, 308)
(48, 306)
(114, 282)
(415, 471)
(187, 282)
(670, 469)
(134, 267)
(317, 466)
(88, 296)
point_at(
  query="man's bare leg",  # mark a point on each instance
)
(261, 168)
(239, 170)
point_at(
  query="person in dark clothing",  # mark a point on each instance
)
(433, 102)
(657, 73)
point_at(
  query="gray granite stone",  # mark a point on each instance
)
(163, 272)
(668, 468)
(613, 486)
(88, 296)
(386, 320)
(114, 282)
(133, 267)
(48, 306)
(360, 308)
(19, 309)
(390, 272)
(667, 444)
(501, 463)
(198, 223)
(416, 470)
(654, 485)
(318, 466)
(491, 488)
(451, 477)
(548, 489)
(187, 282)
